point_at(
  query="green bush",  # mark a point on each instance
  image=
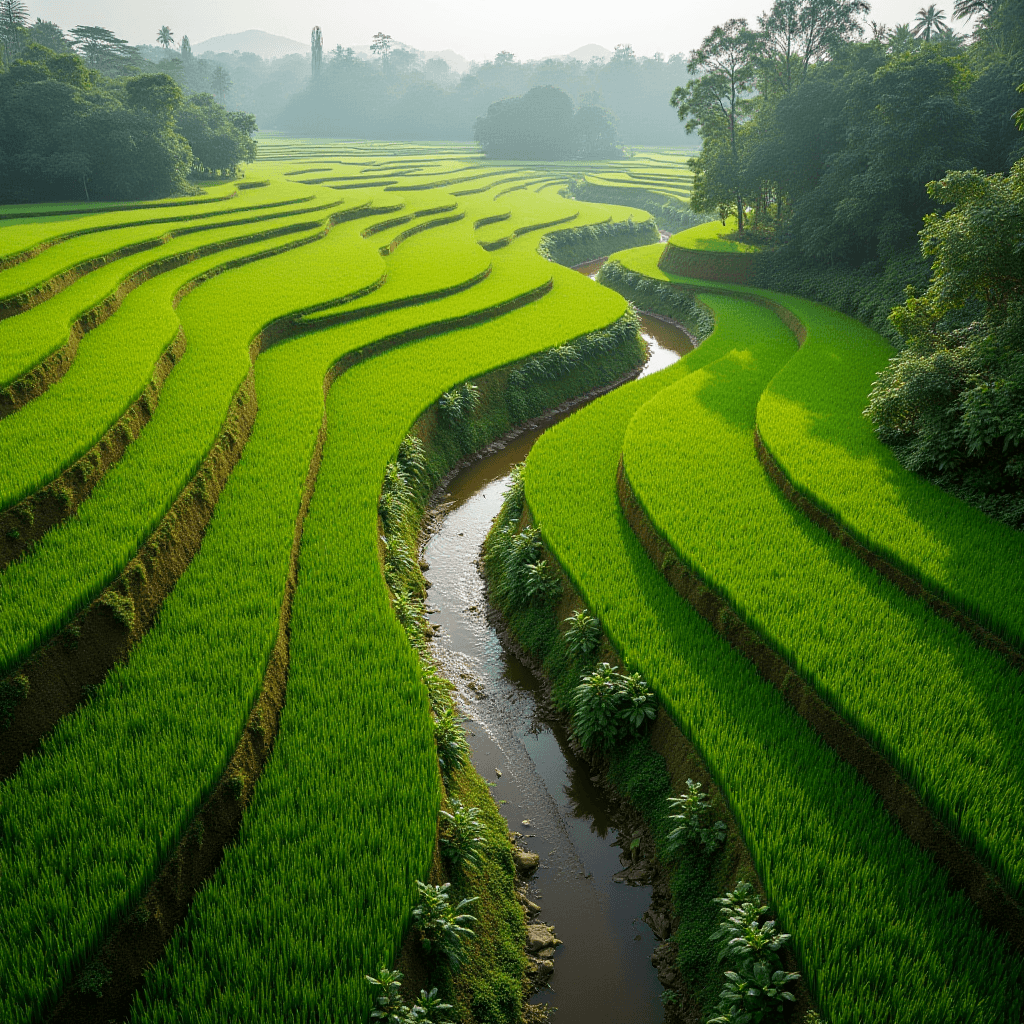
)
(583, 635)
(452, 753)
(690, 821)
(462, 835)
(755, 982)
(609, 706)
(442, 927)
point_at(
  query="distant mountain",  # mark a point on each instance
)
(263, 44)
(585, 53)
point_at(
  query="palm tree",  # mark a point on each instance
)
(929, 22)
(165, 37)
(969, 8)
(13, 19)
(901, 39)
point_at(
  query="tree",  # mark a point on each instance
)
(951, 404)
(48, 34)
(901, 39)
(165, 37)
(714, 104)
(221, 83)
(381, 46)
(186, 49)
(797, 33)
(317, 49)
(13, 18)
(159, 94)
(102, 50)
(929, 22)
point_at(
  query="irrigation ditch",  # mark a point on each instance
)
(608, 907)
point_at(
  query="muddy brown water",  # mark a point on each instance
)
(603, 972)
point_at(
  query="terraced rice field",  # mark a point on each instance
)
(198, 402)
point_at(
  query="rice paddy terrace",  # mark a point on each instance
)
(200, 402)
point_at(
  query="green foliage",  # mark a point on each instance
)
(122, 607)
(452, 751)
(391, 1009)
(755, 982)
(583, 634)
(609, 707)
(688, 456)
(458, 404)
(443, 928)
(522, 576)
(655, 296)
(950, 403)
(575, 245)
(542, 125)
(462, 835)
(825, 848)
(690, 822)
(13, 690)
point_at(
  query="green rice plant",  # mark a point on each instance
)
(71, 565)
(31, 336)
(876, 929)
(914, 685)
(810, 419)
(86, 247)
(355, 743)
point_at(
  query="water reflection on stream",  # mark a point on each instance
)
(603, 973)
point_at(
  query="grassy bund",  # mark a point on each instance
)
(218, 761)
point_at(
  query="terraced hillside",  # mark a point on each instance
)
(863, 732)
(218, 765)
(179, 380)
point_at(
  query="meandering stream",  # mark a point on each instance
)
(603, 972)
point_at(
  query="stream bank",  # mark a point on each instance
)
(556, 805)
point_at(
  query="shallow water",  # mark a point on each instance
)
(603, 971)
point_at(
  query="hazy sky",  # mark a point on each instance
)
(475, 28)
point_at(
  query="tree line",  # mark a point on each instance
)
(396, 95)
(77, 120)
(876, 158)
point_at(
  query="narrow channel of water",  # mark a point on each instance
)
(603, 971)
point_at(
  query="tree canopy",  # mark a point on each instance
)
(70, 132)
(542, 125)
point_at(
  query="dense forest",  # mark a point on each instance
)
(397, 96)
(77, 121)
(836, 146)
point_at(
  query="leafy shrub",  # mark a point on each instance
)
(462, 835)
(609, 706)
(442, 927)
(390, 1009)
(451, 743)
(583, 635)
(691, 810)
(657, 297)
(395, 498)
(522, 575)
(457, 404)
(539, 585)
(755, 982)
(412, 459)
